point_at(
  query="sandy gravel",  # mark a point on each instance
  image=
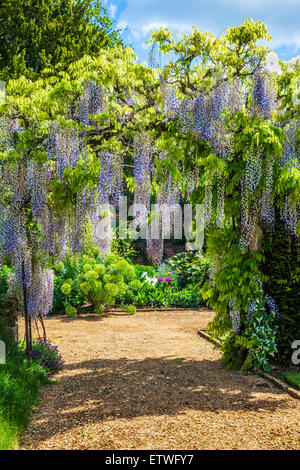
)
(149, 381)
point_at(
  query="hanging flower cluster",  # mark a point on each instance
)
(142, 174)
(168, 196)
(264, 95)
(203, 116)
(267, 210)
(290, 215)
(235, 315)
(289, 154)
(110, 180)
(92, 101)
(171, 103)
(23, 198)
(30, 229)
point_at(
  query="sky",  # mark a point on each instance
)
(137, 17)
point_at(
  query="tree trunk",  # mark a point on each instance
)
(43, 326)
(256, 238)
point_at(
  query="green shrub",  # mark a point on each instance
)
(4, 272)
(188, 268)
(123, 246)
(141, 269)
(108, 282)
(261, 326)
(71, 311)
(282, 268)
(66, 285)
(189, 297)
(130, 309)
(235, 352)
(256, 346)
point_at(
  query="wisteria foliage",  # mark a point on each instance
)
(25, 183)
(31, 230)
(204, 117)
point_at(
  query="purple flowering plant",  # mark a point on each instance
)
(46, 353)
(165, 280)
(156, 290)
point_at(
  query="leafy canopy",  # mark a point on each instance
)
(39, 34)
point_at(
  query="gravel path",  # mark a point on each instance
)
(148, 381)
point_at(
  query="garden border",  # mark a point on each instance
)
(291, 391)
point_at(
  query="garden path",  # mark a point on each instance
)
(148, 381)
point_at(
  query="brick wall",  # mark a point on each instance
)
(170, 249)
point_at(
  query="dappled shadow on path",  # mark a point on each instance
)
(98, 390)
(89, 317)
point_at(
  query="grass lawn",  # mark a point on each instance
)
(20, 381)
(293, 379)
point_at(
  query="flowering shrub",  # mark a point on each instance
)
(156, 291)
(47, 355)
(104, 282)
(167, 279)
(109, 281)
(177, 281)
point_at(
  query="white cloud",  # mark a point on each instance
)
(178, 26)
(112, 10)
(121, 24)
(294, 59)
(146, 28)
(273, 62)
(145, 45)
(281, 17)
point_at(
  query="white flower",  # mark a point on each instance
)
(149, 280)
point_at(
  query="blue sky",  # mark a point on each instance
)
(140, 16)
